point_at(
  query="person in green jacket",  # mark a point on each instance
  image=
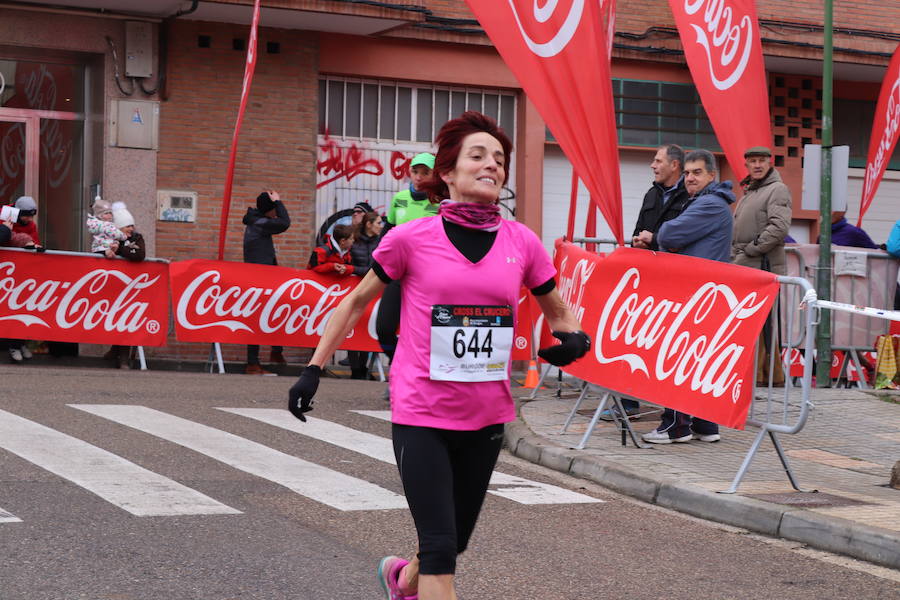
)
(406, 205)
(410, 204)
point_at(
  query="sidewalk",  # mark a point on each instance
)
(845, 451)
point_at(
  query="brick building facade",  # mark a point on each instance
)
(371, 82)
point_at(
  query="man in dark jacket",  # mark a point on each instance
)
(666, 198)
(702, 230)
(268, 218)
(845, 234)
(664, 201)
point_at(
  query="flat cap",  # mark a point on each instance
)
(757, 151)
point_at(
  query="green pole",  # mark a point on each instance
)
(823, 274)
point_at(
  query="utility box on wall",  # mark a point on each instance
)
(134, 124)
(138, 49)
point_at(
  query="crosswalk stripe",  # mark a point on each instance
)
(319, 483)
(514, 488)
(8, 517)
(383, 415)
(118, 481)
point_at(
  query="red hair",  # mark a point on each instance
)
(449, 142)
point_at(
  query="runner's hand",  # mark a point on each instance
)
(301, 394)
(575, 344)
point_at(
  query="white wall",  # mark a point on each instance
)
(636, 178)
(885, 208)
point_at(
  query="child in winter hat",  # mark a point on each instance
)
(106, 236)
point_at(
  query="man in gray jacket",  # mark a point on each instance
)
(761, 222)
(702, 230)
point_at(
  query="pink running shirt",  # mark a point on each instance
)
(432, 271)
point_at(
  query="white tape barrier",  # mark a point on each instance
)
(810, 299)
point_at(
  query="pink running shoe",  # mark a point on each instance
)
(388, 575)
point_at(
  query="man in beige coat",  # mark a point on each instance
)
(761, 222)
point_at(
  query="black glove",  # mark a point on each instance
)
(575, 344)
(300, 396)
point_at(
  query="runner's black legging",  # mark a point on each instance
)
(445, 477)
(388, 318)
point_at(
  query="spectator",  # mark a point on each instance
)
(366, 240)
(269, 217)
(334, 256)
(26, 224)
(348, 216)
(22, 233)
(702, 230)
(106, 236)
(407, 205)
(845, 234)
(18, 349)
(761, 223)
(893, 242)
(665, 200)
(131, 249)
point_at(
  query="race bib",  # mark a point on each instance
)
(470, 342)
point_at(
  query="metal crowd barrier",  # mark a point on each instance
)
(863, 277)
(140, 349)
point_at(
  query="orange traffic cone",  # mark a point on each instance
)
(531, 378)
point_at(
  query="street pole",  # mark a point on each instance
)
(823, 273)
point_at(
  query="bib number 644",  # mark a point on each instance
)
(474, 345)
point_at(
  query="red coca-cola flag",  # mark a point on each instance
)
(885, 131)
(559, 52)
(673, 330)
(722, 46)
(249, 68)
(240, 303)
(84, 299)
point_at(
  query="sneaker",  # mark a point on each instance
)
(386, 396)
(15, 354)
(662, 437)
(706, 437)
(258, 370)
(344, 362)
(277, 358)
(633, 414)
(388, 574)
(26, 353)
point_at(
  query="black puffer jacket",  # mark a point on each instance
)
(653, 214)
(361, 253)
(258, 245)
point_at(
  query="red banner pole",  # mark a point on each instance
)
(245, 93)
(590, 226)
(573, 206)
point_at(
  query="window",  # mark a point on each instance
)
(853, 127)
(651, 113)
(391, 111)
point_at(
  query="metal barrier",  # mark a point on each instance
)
(861, 277)
(783, 410)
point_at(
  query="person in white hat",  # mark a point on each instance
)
(132, 249)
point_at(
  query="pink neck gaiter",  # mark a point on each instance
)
(473, 215)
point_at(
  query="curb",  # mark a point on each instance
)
(879, 546)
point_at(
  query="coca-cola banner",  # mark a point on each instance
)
(559, 52)
(722, 46)
(685, 342)
(83, 299)
(885, 131)
(240, 303)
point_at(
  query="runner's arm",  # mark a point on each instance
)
(557, 314)
(345, 317)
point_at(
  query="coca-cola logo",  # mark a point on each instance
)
(726, 38)
(571, 287)
(888, 137)
(89, 303)
(297, 304)
(541, 13)
(659, 337)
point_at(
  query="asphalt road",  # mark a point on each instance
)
(75, 480)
